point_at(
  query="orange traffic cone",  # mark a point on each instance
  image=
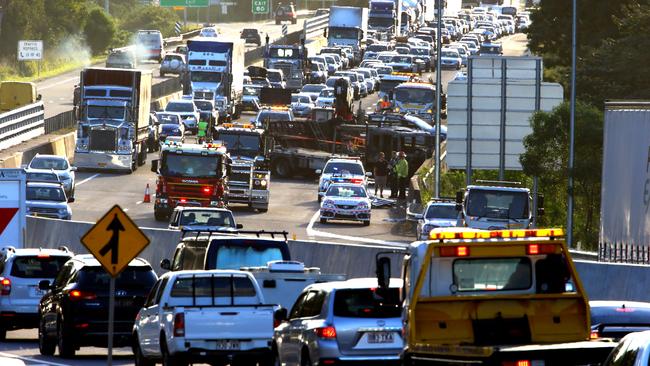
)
(147, 195)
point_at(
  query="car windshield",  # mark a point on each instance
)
(414, 95)
(497, 204)
(343, 33)
(205, 77)
(492, 274)
(239, 142)
(190, 166)
(402, 59)
(203, 105)
(48, 163)
(388, 85)
(237, 256)
(42, 177)
(299, 99)
(326, 93)
(273, 116)
(283, 53)
(130, 278)
(316, 67)
(207, 218)
(450, 54)
(441, 212)
(45, 194)
(346, 191)
(385, 58)
(367, 303)
(37, 266)
(351, 76)
(313, 88)
(344, 168)
(249, 32)
(179, 107)
(274, 76)
(377, 48)
(420, 51)
(384, 70)
(173, 57)
(94, 111)
(168, 119)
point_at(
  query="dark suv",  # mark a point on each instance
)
(251, 35)
(75, 311)
(286, 13)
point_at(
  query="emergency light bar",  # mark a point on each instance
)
(238, 125)
(495, 234)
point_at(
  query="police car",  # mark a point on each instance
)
(341, 170)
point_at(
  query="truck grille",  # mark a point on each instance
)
(44, 210)
(286, 70)
(187, 190)
(239, 177)
(102, 140)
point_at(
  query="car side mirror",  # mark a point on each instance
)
(281, 315)
(71, 199)
(44, 285)
(459, 199)
(240, 226)
(73, 169)
(154, 165)
(368, 174)
(39, 97)
(166, 264)
(318, 171)
(383, 272)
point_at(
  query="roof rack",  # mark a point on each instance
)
(500, 182)
(232, 232)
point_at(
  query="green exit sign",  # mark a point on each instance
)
(260, 6)
(188, 3)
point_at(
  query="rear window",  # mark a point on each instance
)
(367, 303)
(131, 277)
(213, 287)
(492, 274)
(236, 256)
(37, 267)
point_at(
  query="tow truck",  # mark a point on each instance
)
(250, 179)
(503, 297)
(190, 175)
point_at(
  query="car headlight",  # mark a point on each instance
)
(429, 111)
(397, 109)
(328, 204)
(63, 211)
(123, 148)
(363, 205)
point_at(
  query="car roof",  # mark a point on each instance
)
(355, 283)
(191, 208)
(11, 251)
(343, 160)
(49, 156)
(186, 101)
(205, 273)
(44, 185)
(90, 260)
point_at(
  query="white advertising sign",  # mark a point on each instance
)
(30, 50)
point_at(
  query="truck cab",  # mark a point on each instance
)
(506, 297)
(291, 59)
(493, 206)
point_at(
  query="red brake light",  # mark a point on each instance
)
(594, 334)
(460, 251)
(182, 200)
(326, 332)
(536, 249)
(43, 255)
(516, 363)
(206, 190)
(81, 295)
(6, 286)
(179, 325)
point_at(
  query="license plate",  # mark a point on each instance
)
(380, 337)
(101, 164)
(123, 303)
(228, 345)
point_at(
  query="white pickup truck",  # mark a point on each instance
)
(216, 316)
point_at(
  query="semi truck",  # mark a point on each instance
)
(217, 66)
(291, 59)
(506, 297)
(190, 175)
(383, 17)
(348, 26)
(250, 179)
(113, 117)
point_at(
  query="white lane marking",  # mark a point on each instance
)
(29, 359)
(88, 179)
(58, 83)
(138, 203)
(313, 232)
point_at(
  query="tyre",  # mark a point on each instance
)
(283, 168)
(3, 334)
(138, 357)
(366, 223)
(263, 210)
(167, 359)
(323, 221)
(67, 348)
(162, 74)
(159, 216)
(305, 360)
(46, 346)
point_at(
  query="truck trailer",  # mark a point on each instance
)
(348, 26)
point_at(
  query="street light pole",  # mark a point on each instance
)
(438, 92)
(572, 127)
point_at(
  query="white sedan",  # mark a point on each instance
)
(345, 201)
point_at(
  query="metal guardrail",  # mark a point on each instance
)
(21, 124)
(623, 253)
(314, 26)
(62, 120)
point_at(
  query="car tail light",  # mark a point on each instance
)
(460, 251)
(207, 190)
(594, 334)
(326, 332)
(6, 286)
(179, 325)
(536, 249)
(76, 295)
(517, 363)
(276, 323)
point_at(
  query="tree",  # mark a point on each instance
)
(99, 31)
(151, 17)
(546, 156)
(21, 20)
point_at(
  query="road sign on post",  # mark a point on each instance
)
(260, 6)
(30, 50)
(115, 240)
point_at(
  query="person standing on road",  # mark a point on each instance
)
(381, 174)
(391, 175)
(402, 174)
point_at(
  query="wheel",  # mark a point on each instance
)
(46, 346)
(3, 334)
(323, 220)
(162, 74)
(159, 215)
(167, 359)
(320, 198)
(304, 358)
(136, 157)
(283, 168)
(139, 358)
(67, 349)
(263, 210)
(366, 223)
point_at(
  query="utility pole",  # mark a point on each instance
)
(107, 6)
(569, 218)
(438, 92)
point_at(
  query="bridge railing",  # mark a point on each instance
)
(314, 26)
(21, 124)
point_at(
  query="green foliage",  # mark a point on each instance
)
(99, 31)
(150, 17)
(546, 156)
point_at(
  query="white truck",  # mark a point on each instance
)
(216, 316)
(348, 26)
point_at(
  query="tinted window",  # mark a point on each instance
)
(193, 257)
(208, 218)
(49, 163)
(152, 294)
(343, 168)
(46, 194)
(179, 107)
(312, 305)
(498, 204)
(297, 306)
(235, 257)
(42, 177)
(367, 303)
(207, 286)
(132, 277)
(442, 212)
(37, 267)
(492, 274)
